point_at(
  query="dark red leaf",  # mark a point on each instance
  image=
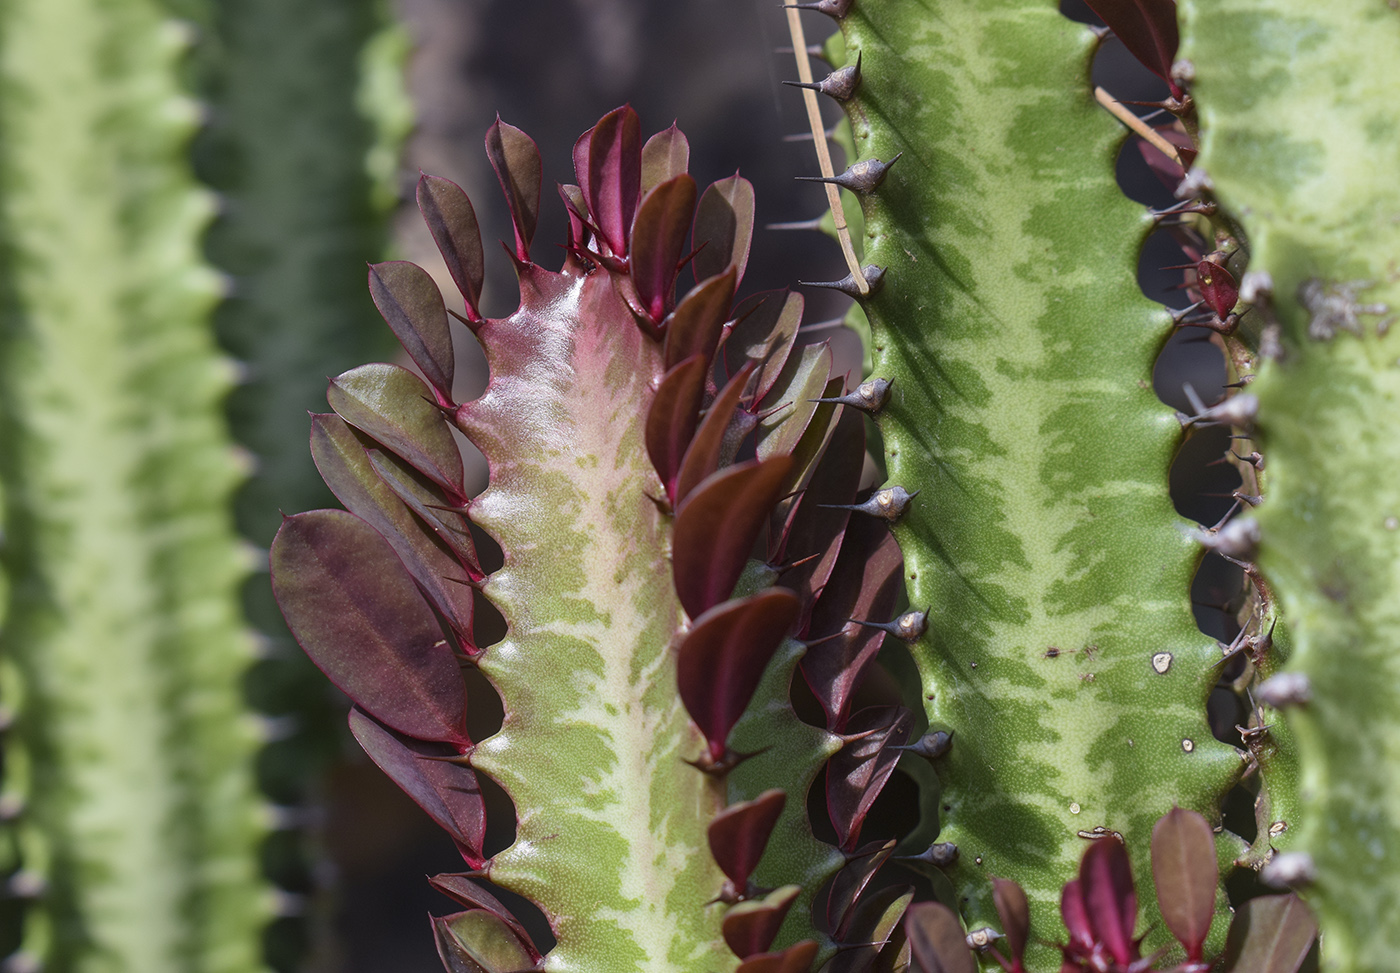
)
(873, 921)
(611, 174)
(764, 331)
(447, 791)
(516, 160)
(750, 927)
(806, 377)
(393, 406)
(716, 527)
(1217, 286)
(724, 228)
(577, 209)
(658, 239)
(1184, 871)
(858, 772)
(797, 958)
(341, 459)
(1015, 914)
(723, 657)
(466, 892)
(425, 498)
(361, 619)
(865, 584)
(1271, 934)
(411, 305)
(703, 456)
(739, 833)
(1076, 917)
(1106, 882)
(665, 156)
(698, 321)
(848, 885)
(452, 222)
(936, 940)
(1147, 29)
(672, 418)
(478, 941)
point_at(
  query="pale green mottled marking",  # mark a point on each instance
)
(1022, 353)
(1299, 129)
(123, 641)
(612, 821)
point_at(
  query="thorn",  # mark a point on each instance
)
(840, 84)
(815, 223)
(869, 396)
(888, 503)
(719, 768)
(931, 745)
(835, 9)
(1285, 689)
(1237, 539)
(1237, 410)
(909, 627)
(1248, 498)
(874, 277)
(863, 177)
(1179, 316)
(940, 854)
(980, 940)
(1288, 869)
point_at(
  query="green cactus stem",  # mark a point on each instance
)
(129, 761)
(1299, 141)
(1061, 650)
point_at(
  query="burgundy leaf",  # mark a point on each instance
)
(452, 222)
(724, 228)
(1106, 883)
(1217, 286)
(341, 459)
(446, 790)
(1271, 934)
(665, 156)
(703, 456)
(1076, 917)
(740, 832)
(751, 927)
(716, 527)
(805, 378)
(672, 418)
(577, 209)
(1147, 29)
(1015, 915)
(466, 892)
(516, 160)
(764, 331)
(873, 921)
(848, 885)
(1184, 871)
(393, 406)
(698, 321)
(936, 940)
(797, 958)
(424, 498)
(865, 584)
(412, 306)
(479, 941)
(723, 657)
(858, 772)
(361, 619)
(658, 239)
(611, 174)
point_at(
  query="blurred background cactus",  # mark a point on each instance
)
(191, 190)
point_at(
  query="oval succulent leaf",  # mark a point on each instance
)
(804, 379)
(872, 924)
(739, 833)
(724, 228)
(665, 156)
(672, 418)
(1147, 29)
(478, 941)
(1271, 934)
(750, 927)
(858, 773)
(464, 891)
(424, 498)
(702, 457)
(451, 220)
(608, 163)
(1185, 873)
(447, 791)
(797, 958)
(658, 239)
(936, 940)
(394, 407)
(723, 657)
(716, 528)
(412, 306)
(765, 328)
(344, 465)
(697, 323)
(516, 160)
(1015, 914)
(851, 882)
(1106, 884)
(362, 620)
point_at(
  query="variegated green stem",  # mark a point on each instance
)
(611, 839)
(1300, 140)
(1061, 648)
(131, 756)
